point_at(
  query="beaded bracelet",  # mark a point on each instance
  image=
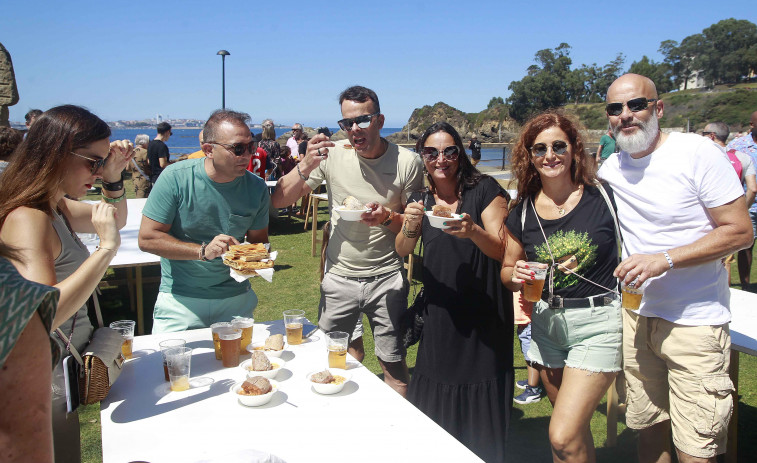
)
(667, 257)
(114, 200)
(408, 233)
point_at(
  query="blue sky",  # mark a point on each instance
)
(290, 60)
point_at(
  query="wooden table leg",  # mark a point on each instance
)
(733, 426)
(140, 302)
(612, 415)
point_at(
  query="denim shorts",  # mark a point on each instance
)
(587, 338)
(524, 336)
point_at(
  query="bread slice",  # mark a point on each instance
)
(257, 385)
(442, 211)
(352, 203)
(274, 342)
(323, 377)
(260, 362)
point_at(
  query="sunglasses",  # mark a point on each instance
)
(362, 122)
(238, 149)
(540, 149)
(704, 134)
(635, 105)
(450, 153)
(96, 163)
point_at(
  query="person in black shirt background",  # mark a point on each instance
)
(157, 151)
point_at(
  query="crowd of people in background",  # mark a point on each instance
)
(653, 210)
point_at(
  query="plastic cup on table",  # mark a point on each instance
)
(179, 362)
(167, 345)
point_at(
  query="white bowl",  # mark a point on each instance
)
(276, 363)
(351, 215)
(254, 400)
(330, 388)
(438, 222)
(270, 353)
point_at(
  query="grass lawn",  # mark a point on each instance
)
(296, 286)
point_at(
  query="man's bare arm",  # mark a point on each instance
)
(154, 237)
(733, 232)
(751, 190)
(292, 186)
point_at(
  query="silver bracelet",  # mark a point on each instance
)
(667, 256)
(299, 172)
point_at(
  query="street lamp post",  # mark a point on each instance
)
(223, 54)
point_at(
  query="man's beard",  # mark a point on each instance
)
(641, 140)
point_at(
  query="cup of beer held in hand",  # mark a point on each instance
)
(532, 288)
(215, 328)
(631, 295)
(293, 320)
(126, 328)
(244, 324)
(336, 344)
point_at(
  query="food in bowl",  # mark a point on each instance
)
(438, 222)
(257, 385)
(260, 362)
(329, 381)
(442, 211)
(274, 342)
(351, 203)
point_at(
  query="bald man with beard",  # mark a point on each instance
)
(681, 210)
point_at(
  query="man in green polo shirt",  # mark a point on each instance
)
(196, 210)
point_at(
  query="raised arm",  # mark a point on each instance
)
(292, 186)
(411, 229)
(31, 231)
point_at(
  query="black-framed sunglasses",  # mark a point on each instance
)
(635, 105)
(362, 122)
(450, 153)
(540, 149)
(96, 163)
(238, 149)
(704, 134)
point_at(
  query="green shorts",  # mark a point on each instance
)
(587, 338)
(180, 313)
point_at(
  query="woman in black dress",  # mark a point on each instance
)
(463, 375)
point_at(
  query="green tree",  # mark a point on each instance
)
(496, 100)
(543, 87)
(660, 73)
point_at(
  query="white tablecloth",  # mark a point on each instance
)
(129, 254)
(744, 321)
(366, 422)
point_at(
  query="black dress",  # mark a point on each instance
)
(463, 376)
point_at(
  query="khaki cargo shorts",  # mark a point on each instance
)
(679, 373)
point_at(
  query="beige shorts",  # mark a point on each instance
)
(679, 373)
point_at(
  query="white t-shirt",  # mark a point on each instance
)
(662, 203)
(355, 249)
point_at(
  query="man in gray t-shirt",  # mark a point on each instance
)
(364, 270)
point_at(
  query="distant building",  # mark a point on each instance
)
(695, 80)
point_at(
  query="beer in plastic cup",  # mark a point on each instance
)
(179, 361)
(336, 344)
(293, 320)
(244, 324)
(631, 296)
(126, 328)
(214, 329)
(167, 345)
(532, 289)
(229, 339)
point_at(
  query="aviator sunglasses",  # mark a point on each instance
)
(540, 149)
(362, 122)
(635, 105)
(96, 163)
(450, 153)
(238, 149)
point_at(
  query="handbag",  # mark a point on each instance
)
(411, 322)
(102, 360)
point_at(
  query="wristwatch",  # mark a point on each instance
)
(389, 218)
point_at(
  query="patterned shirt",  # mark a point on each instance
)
(746, 144)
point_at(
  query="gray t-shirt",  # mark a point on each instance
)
(355, 249)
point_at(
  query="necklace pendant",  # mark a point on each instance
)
(561, 211)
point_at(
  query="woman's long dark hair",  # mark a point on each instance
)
(42, 159)
(524, 172)
(467, 174)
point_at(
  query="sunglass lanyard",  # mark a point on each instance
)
(555, 264)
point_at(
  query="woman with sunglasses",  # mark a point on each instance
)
(463, 375)
(64, 153)
(565, 221)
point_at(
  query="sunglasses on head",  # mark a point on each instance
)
(238, 149)
(450, 153)
(362, 122)
(540, 149)
(635, 105)
(96, 163)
